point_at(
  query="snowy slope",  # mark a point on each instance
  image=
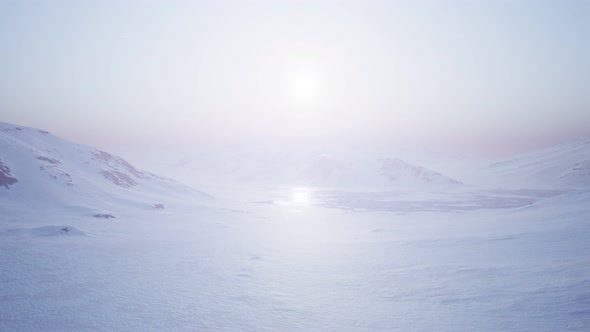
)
(401, 172)
(40, 170)
(566, 165)
(574, 202)
(386, 173)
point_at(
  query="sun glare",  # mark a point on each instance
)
(300, 197)
(305, 87)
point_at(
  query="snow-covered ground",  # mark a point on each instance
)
(261, 257)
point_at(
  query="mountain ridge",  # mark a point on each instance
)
(41, 170)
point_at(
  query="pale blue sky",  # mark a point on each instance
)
(489, 77)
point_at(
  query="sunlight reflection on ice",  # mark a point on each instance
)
(299, 196)
(407, 201)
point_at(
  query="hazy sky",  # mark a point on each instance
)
(481, 76)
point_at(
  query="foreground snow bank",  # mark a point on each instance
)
(298, 268)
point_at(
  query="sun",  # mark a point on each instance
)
(304, 87)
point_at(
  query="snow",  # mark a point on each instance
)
(334, 166)
(565, 165)
(51, 174)
(280, 257)
(44, 231)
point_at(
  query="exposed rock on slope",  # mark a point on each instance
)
(5, 179)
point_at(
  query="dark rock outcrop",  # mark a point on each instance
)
(6, 179)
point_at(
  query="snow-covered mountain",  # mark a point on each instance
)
(565, 165)
(386, 173)
(338, 167)
(400, 172)
(41, 171)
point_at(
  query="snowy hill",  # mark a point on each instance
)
(575, 202)
(387, 173)
(402, 173)
(339, 167)
(41, 171)
(565, 165)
